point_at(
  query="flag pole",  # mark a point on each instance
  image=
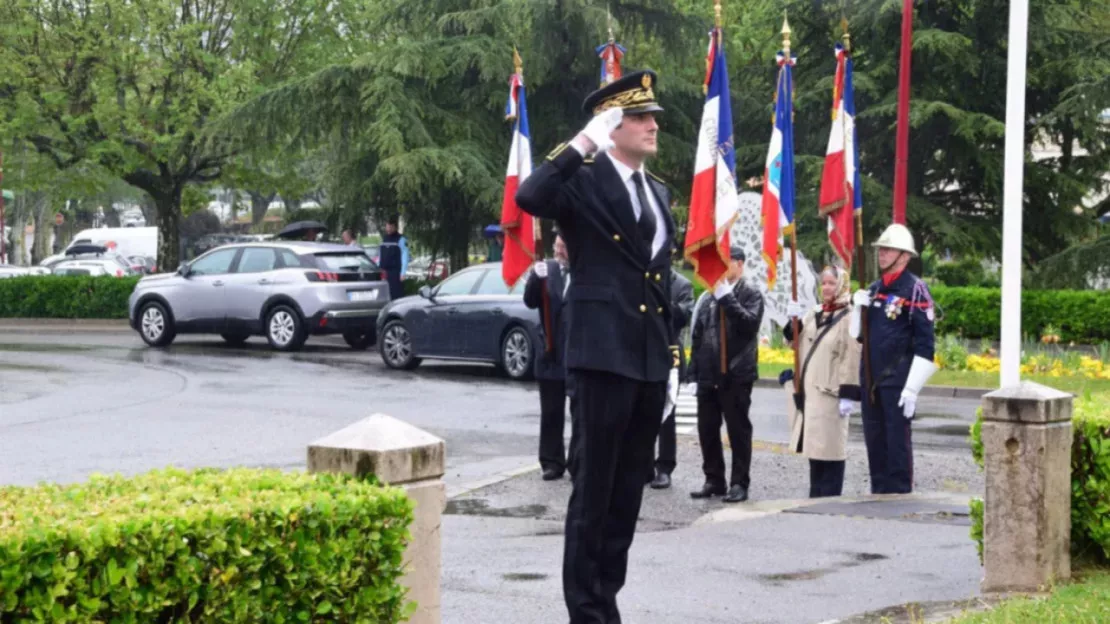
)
(793, 228)
(902, 136)
(3, 238)
(537, 234)
(861, 263)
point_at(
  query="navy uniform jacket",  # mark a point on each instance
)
(619, 315)
(682, 298)
(901, 326)
(549, 366)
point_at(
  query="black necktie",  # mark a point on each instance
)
(647, 218)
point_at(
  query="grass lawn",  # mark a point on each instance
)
(971, 379)
(1086, 601)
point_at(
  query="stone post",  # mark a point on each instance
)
(404, 456)
(1027, 437)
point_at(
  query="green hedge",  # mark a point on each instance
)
(240, 545)
(56, 296)
(1090, 477)
(1079, 315)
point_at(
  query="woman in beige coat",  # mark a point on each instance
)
(830, 384)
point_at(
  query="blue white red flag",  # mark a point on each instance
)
(611, 55)
(518, 227)
(841, 195)
(778, 176)
(713, 199)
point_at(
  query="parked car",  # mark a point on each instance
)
(88, 251)
(284, 291)
(10, 270)
(143, 264)
(470, 316)
(94, 267)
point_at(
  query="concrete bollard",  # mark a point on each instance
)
(1027, 436)
(404, 456)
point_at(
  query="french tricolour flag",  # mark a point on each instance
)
(778, 184)
(713, 200)
(841, 195)
(518, 227)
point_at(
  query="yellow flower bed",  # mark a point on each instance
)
(768, 355)
(1089, 367)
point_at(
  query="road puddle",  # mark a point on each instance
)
(480, 507)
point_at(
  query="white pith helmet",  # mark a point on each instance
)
(897, 236)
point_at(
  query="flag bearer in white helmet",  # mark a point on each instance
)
(899, 313)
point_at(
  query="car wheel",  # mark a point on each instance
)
(155, 325)
(516, 354)
(284, 329)
(235, 339)
(358, 341)
(395, 346)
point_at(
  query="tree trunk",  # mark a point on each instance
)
(149, 208)
(44, 228)
(169, 229)
(259, 205)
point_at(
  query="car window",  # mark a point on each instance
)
(73, 271)
(346, 261)
(492, 284)
(215, 263)
(290, 259)
(257, 260)
(460, 283)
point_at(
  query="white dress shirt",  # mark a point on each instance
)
(625, 173)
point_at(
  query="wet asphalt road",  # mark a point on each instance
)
(75, 403)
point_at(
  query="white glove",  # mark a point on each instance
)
(908, 403)
(672, 394)
(690, 389)
(847, 407)
(601, 126)
(920, 372)
(722, 289)
(796, 309)
(540, 270)
(862, 298)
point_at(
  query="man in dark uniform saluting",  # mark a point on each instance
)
(621, 352)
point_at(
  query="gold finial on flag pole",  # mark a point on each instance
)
(717, 12)
(518, 64)
(609, 23)
(847, 38)
(785, 36)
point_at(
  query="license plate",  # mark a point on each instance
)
(362, 295)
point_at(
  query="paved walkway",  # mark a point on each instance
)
(779, 558)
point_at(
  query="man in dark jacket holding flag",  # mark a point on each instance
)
(621, 352)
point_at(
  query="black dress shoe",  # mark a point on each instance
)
(661, 481)
(708, 491)
(736, 494)
(550, 474)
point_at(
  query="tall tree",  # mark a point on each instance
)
(131, 85)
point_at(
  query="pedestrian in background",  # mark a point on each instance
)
(829, 383)
(724, 363)
(394, 258)
(350, 240)
(550, 369)
(682, 304)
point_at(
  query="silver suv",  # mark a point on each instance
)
(282, 290)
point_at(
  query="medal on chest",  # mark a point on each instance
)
(893, 307)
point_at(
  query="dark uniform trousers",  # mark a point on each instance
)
(886, 432)
(734, 402)
(618, 419)
(826, 478)
(668, 442)
(553, 413)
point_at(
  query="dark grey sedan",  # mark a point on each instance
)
(470, 316)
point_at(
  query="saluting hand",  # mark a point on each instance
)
(596, 133)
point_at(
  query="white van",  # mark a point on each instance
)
(128, 241)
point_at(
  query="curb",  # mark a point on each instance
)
(759, 509)
(65, 325)
(951, 392)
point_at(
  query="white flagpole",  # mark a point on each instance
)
(1012, 195)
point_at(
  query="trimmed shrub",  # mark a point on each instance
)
(1090, 477)
(56, 296)
(1080, 315)
(240, 545)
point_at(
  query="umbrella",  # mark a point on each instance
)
(491, 231)
(298, 229)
